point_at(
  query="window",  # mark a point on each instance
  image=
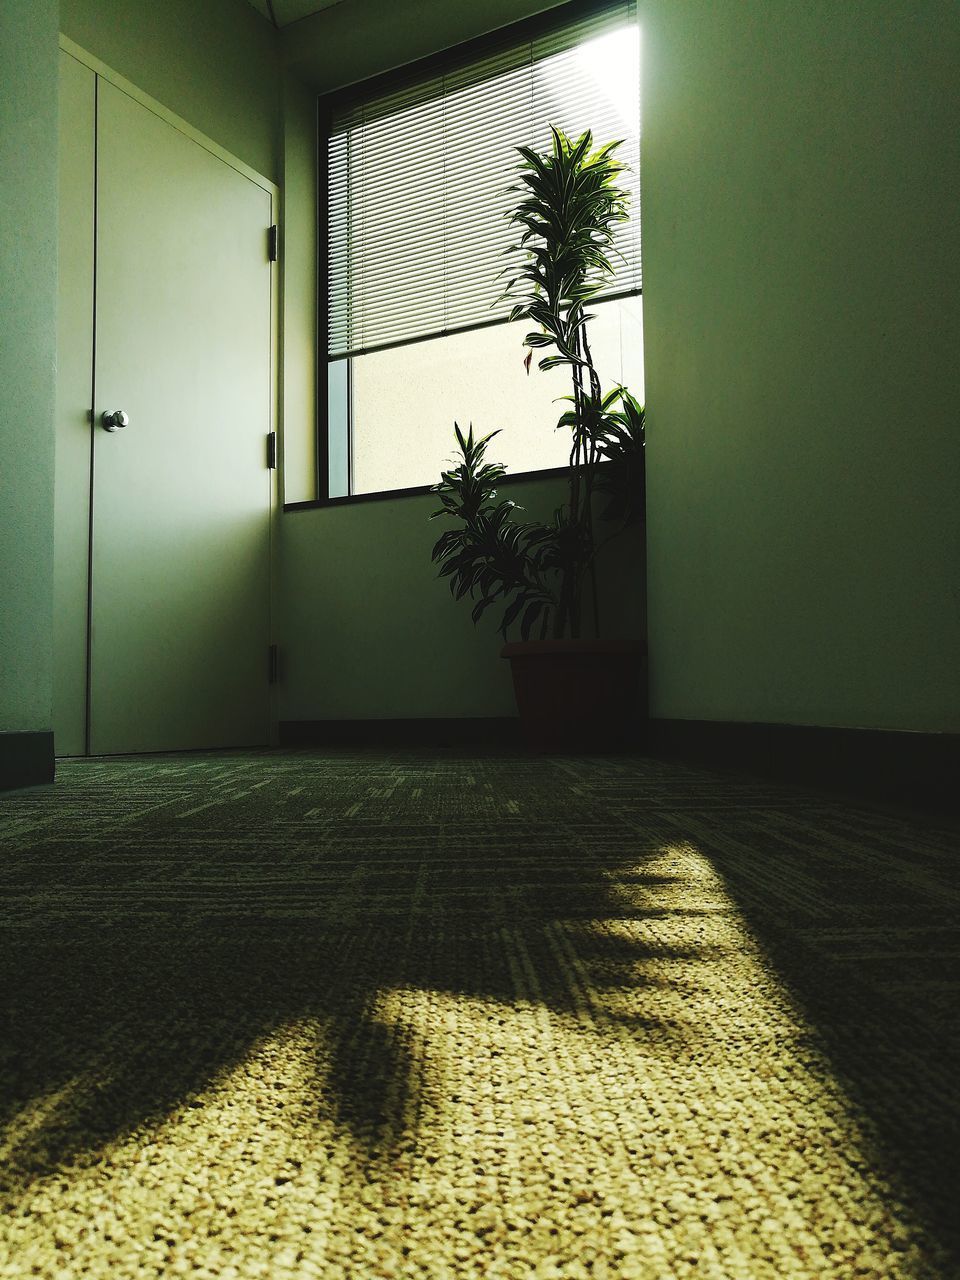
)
(417, 172)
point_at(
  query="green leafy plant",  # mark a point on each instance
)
(569, 207)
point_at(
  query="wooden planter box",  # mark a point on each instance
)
(579, 695)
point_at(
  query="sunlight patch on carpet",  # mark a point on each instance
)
(672, 1115)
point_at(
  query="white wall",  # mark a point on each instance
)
(370, 632)
(28, 318)
(801, 181)
(298, 266)
(213, 62)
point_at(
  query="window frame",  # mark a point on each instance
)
(373, 86)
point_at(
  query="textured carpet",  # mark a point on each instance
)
(365, 1014)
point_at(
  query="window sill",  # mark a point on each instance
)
(355, 498)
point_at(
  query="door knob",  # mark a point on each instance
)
(110, 421)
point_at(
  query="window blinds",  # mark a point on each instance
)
(418, 207)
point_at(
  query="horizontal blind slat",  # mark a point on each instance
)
(419, 183)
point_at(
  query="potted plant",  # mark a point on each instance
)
(572, 691)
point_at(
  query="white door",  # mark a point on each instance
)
(181, 496)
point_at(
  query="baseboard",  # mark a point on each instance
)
(920, 769)
(488, 731)
(26, 760)
(897, 766)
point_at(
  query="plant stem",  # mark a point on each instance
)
(577, 459)
(582, 349)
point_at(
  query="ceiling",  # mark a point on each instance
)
(327, 44)
(287, 11)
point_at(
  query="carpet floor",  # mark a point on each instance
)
(408, 1014)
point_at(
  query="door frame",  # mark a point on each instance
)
(183, 126)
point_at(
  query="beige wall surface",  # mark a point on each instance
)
(370, 632)
(801, 267)
(215, 63)
(349, 42)
(298, 263)
(28, 337)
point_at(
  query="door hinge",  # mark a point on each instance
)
(273, 663)
(272, 450)
(273, 242)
